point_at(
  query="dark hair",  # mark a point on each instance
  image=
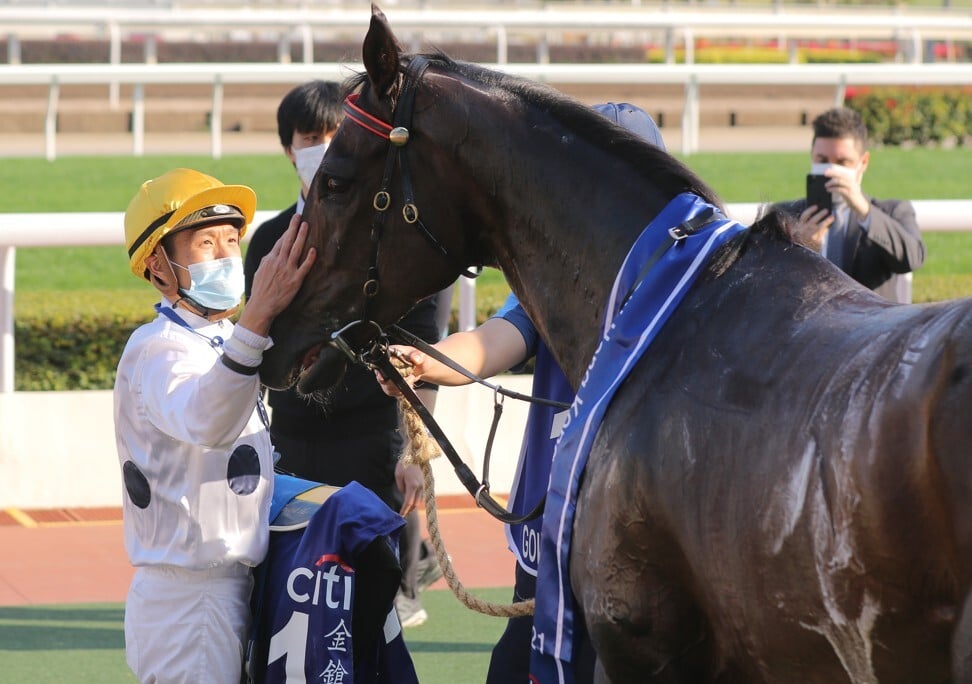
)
(840, 122)
(312, 106)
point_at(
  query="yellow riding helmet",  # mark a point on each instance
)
(179, 199)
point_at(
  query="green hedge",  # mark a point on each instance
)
(70, 353)
(72, 341)
(920, 116)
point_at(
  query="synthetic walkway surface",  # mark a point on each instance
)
(78, 555)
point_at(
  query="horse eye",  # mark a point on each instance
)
(335, 185)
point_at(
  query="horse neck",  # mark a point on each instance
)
(563, 283)
(562, 224)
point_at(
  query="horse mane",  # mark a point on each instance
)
(665, 171)
(775, 224)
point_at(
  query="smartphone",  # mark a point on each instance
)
(818, 194)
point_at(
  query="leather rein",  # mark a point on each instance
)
(374, 354)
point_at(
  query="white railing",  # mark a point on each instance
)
(690, 76)
(105, 228)
(908, 28)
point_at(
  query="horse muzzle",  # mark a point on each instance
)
(322, 367)
(318, 368)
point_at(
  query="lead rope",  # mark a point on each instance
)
(420, 449)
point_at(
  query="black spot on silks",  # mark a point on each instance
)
(243, 470)
(136, 485)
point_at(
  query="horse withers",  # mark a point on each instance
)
(778, 491)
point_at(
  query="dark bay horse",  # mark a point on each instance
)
(779, 491)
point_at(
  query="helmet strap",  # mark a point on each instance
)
(212, 315)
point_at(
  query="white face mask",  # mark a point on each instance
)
(308, 160)
(216, 284)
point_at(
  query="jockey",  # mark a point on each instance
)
(193, 447)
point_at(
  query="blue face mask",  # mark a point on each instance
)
(216, 284)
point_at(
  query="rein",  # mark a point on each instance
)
(377, 358)
(427, 348)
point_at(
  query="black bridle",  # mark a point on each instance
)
(374, 352)
(397, 134)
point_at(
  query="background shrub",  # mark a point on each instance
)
(73, 341)
(915, 116)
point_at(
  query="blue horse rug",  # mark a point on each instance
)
(659, 269)
(307, 594)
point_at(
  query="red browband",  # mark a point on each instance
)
(363, 118)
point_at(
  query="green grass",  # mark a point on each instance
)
(924, 173)
(64, 643)
(86, 642)
(107, 183)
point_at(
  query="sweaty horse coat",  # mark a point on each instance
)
(779, 491)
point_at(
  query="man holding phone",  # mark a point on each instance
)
(873, 241)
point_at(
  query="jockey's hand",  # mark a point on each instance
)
(811, 227)
(279, 276)
(411, 483)
(409, 355)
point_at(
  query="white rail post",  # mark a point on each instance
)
(283, 49)
(690, 116)
(308, 39)
(543, 50)
(50, 120)
(502, 45)
(841, 91)
(13, 48)
(138, 120)
(917, 53)
(467, 304)
(151, 49)
(216, 120)
(114, 34)
(7, 254)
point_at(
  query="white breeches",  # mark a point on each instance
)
(187, 626)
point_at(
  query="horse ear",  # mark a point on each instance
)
(380, 53)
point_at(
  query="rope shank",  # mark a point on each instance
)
(420, 449)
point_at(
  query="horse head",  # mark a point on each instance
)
(371, 226)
